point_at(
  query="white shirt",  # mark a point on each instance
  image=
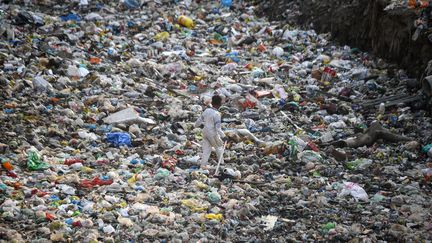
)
(212, 122)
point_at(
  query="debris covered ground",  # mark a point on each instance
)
(98, 144)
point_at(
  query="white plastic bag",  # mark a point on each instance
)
(73, 71)
(126, 116)
(353, 189)
(278, 51)
(41, 85)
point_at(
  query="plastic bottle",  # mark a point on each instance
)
(381, 108)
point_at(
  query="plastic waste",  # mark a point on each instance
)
(327, 227)
(278, 51)
(41, 85)
(427, 149)
(194, 205)
(162, 173)
(356, 191)
(129, 115)
(212, 216)
(309, 156)
(97, 181)
(6, 165)
(186, 21)
(226, 3)
(119, 139)
(109, 229)
(213, 197)
(74, 71)
(231, 173)
(269, 222)
(427, 174)
(34, 162)
(71, 17)
(359, 164)
(131, 4)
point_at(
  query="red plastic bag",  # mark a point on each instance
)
(169, 164)
(328, 74)
(95, 182)
(73, 161)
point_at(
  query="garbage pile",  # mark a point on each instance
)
(423, 23)
(98, 144)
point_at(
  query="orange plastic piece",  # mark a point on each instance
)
(261, 47)
(49, 216)
(7, 165)
(95, 60)
(54, 100)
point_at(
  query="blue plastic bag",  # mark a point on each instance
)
(226, 3)
(119, 139)
(131, 4)
(71, 16)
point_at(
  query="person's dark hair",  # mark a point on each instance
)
(216, 101)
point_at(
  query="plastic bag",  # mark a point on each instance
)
(70, 17)
(73, 71)
(35, 163)
(358, 164)
(119, 138)
(214, 197)
(268, 222)
(353, 189)
(328, 74)
(131, 4)
(169, 164)
(278, 51)
(162, 36)
(309, 156)
(97, 181)
(327, 227)
(427, 149)
(194, 204)
(161, 173)
(427, 173)
(40, 84)
(213, 216)
(226, 3)
(127, 115)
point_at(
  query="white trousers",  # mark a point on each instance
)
(211, 140)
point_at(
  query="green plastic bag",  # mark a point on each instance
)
(327, 227)
(358, 164)
(214, 197)
(162, 173)
(35, 163)
(426, 148)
